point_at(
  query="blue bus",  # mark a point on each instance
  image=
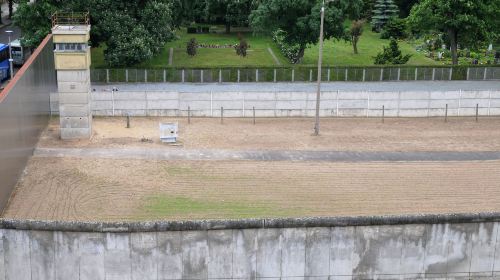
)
(4, 62)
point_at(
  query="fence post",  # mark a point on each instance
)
(310, 75)
(293, 75)
(126, 75)
(107, 76)
(164, 75)
(275, 75)
(221, 115)
(253, 109)
(146, 75)
(367, 103)
(399, 73)
(468, 72)
(328, 79)
(416, 73)
(459, 103)
(477, 112)
(446, 113)
(433, 73)
(189, 114)
(485, 73)
(113, 101)
(381, 74)
(346, 74)
(220, 76)
(451, 74)
(489, 104)
(257, 75)
(383, 113)
(364, 74)
(183, 75)
(338, 92)
(238, 75)
(201, 75)
(128, 120)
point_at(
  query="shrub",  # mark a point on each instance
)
(392, 55)
(291, 51)
(395, 28)
(241, 48)
(192, 47)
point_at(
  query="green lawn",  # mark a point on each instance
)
(336, 53)
(340, 53)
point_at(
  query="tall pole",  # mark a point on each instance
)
(10, 56)
(320, 59)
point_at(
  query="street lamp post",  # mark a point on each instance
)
(320, 59)
(10, 55)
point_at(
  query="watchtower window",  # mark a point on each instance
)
(71, 47)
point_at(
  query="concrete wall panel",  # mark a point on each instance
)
(194, 255)
(170, 255)
(245, 253)
(220, 254)
(117, 262)
(269, 253)
(92, 256)
(143, 254)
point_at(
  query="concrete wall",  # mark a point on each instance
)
(292, 104)
(24, 112)
(443, 251)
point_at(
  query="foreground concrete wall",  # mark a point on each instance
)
(445, 251)
(290, 104)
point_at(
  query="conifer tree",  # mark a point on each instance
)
(383, 10)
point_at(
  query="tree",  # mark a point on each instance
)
(405, 6)
(229, 12)
(34, 20)
(468, 22)
(394, 28)
(355, 32)
(192, 47)
(300, 20)
(392, 55)
(11, 8)
(383, 10)
(131, 30)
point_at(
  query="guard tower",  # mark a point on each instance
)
(71, 33)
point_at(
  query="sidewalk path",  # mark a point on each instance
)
(263, 155)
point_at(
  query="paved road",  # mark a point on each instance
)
(262, 155)
(343, 86)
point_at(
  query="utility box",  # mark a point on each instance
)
(169, 132)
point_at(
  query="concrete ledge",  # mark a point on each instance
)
(162, 226)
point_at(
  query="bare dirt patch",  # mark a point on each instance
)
(113, 190)
(412, 134)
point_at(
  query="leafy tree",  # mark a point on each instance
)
(392, 55)
(300, 20)
(241, 48)
(355, 33)
(229, 12)
(405, 6)
(131, 30)
(34, 20)
(383, 10)
(394, 28)
(192, 47)
(469, 22)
